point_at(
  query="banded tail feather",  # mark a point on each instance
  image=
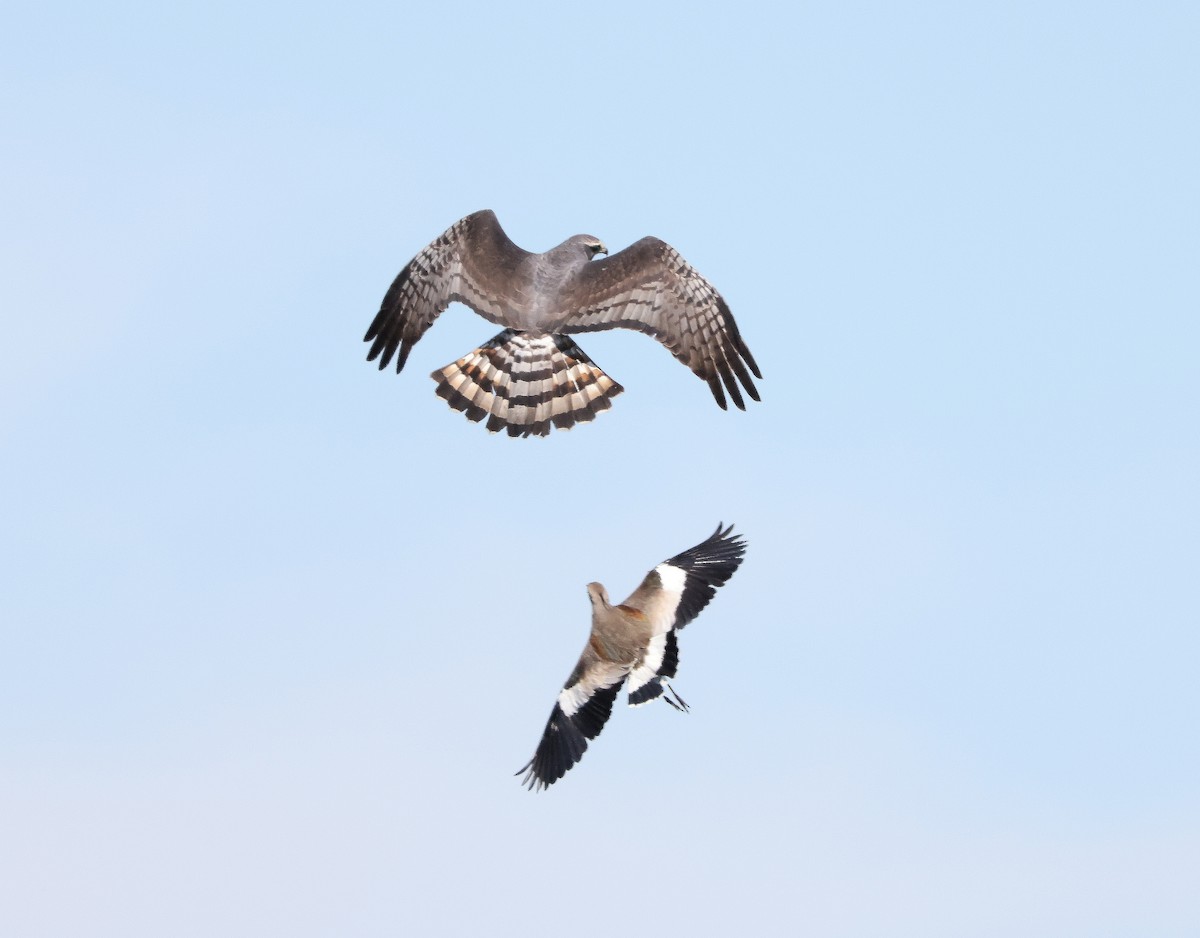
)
(526, 383)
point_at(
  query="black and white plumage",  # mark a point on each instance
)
(634, 641)
(531, 377)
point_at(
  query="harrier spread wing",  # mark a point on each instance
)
(671, 596)
(473, 262)
(651, 288)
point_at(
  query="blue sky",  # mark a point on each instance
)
(276, 629)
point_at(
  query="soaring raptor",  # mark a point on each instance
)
(634, 641)
(532, 376)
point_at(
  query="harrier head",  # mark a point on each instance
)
(591, 244)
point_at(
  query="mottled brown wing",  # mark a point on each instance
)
(473, 262)
(651, 288)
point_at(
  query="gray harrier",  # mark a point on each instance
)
(532, 375)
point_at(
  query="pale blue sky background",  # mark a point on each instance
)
(277, 629)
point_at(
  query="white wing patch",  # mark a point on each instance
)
(661, 609)
(570, 699)
(672, 578)
(647, 672)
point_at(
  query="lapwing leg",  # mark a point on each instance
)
(678, 703)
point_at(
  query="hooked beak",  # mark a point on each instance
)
(602, 249)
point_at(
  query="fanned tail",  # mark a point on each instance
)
(526, 383)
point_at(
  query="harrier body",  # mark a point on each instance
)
(532, 376)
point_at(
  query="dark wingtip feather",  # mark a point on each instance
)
(740, 369)
(734, 391)
(531, 782)
(376, 348)
(714, 385)
(405, 348)
(376, 326)
(749, 359)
